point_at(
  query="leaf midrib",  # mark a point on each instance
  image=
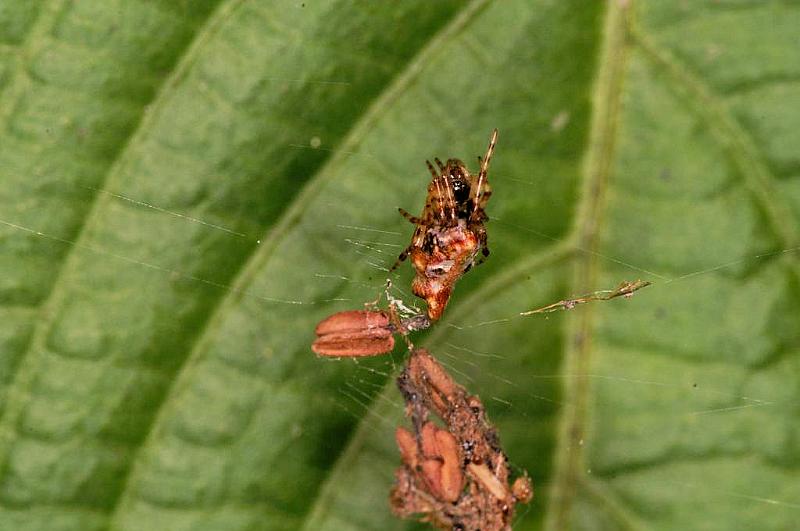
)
(598, 163)
(758, 180)
(759, 183)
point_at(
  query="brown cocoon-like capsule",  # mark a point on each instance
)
(354, 333)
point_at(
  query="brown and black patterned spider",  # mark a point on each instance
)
(450, 230)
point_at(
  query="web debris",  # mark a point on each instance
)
(455, 477)
(625, 289)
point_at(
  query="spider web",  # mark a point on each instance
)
(682, 394)
(528, 386)
(523, 388)
(365, 390)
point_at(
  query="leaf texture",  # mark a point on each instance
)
(187, 188)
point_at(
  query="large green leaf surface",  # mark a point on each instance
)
(187, 188)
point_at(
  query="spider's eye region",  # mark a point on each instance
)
(457, 171)
(460, 190)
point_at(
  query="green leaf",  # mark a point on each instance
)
(186, 189)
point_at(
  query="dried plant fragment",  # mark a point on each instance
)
(437, 457)
(359, 333)
(450, 231)
(625, 289)
(354, 333)
(456, 476)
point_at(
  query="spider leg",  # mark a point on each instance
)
(439, 163)
(401, 258)
(484, 241)
(438, 197)
(484, 165)
(430, 168)
(478, 214)
(489, 152)
(413, 219)
(451, 200)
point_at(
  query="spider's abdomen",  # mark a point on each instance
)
(438, 270)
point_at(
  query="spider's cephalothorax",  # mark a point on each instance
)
(450, 230)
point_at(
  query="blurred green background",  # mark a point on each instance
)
(187, 187)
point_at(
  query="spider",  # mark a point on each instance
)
(450, 231)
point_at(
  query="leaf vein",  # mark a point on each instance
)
(757, 176)
(27, 367)
(568, 460)
(19, 77)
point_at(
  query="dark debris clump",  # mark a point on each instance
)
(454, 476)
